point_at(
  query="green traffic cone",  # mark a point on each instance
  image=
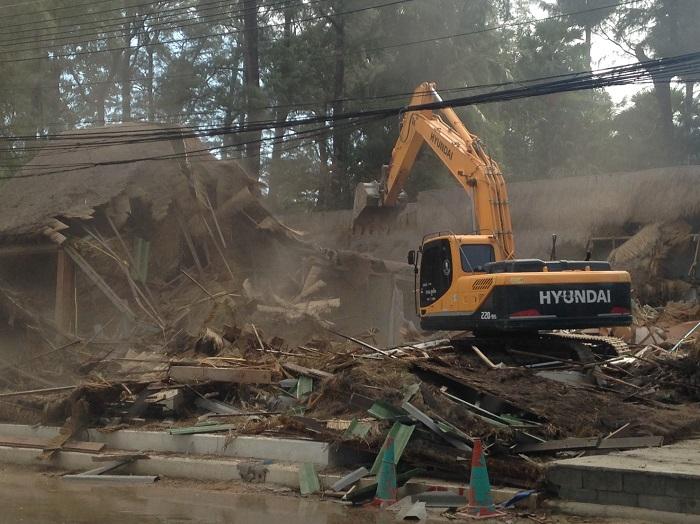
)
(386, 479)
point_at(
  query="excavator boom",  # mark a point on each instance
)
(463, 155)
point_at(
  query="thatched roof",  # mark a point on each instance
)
(87, 172)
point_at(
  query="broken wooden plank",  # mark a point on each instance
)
(233, 375)
(96, 279)
(570, 444)
(111, 466)
(349, 479)
(192, 430)
(121, 456)
(486, 360)
(36, 391)
(216, 406)
(362, 343)
(424, 419)
(653, 441)
(120, 479)
(42, 443)
(310, 372)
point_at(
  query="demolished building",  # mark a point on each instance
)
(108, 233)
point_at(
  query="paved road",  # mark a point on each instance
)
(33, 497)
(28, 496)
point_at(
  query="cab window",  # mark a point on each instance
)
(475, 256)
(435, 271)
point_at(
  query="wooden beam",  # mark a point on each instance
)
(207, 374)
(653, 441)
(28, 249)
(309, 372)
(65, 307)
(36, 391)
(570, 444)
(100, 283)
(42, 443)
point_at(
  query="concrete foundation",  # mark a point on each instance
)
(664, 479)
(197, 463)
(220, 445)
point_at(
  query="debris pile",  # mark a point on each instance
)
(217, 318)
(662, 260)
(433, 398)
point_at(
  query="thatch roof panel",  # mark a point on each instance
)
(86, 172)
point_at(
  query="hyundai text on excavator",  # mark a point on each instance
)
(474, 282)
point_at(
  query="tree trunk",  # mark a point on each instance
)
(340, 183)
(232, 113)
(126, 87)
(688, 117)
(324, 186)
(662, 91)
(280, 116)
(102, 90)
(54, 100)
(588, 30)
(251, 77)
(150, 99)
(276, 160)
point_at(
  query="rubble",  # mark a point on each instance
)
(255, 331)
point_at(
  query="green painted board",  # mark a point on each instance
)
(356, 430)
(201, 429)
(384, 411)
(367, 492)
(308, 479)
(401, 434)
(305, 385)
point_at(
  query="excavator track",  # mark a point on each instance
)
(603, 346)
(534, 347)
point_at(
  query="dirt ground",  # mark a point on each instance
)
(39, 497)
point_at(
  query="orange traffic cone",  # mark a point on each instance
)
(480, 500)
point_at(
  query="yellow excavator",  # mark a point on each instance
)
(473, 281)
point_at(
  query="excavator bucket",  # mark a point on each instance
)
(368, 215)
(366, 196)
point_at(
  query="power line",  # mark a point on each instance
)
(617, 75)
(73, 16)
(159, 25)
(205, 151)
(187, 39)
(500, 26)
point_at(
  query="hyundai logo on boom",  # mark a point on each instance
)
(441, 145)
(575, 296)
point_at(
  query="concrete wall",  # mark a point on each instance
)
(575, 208)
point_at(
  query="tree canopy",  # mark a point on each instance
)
(260, 65)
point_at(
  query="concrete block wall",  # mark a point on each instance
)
(670, 492)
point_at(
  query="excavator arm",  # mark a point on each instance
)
(464, 157)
